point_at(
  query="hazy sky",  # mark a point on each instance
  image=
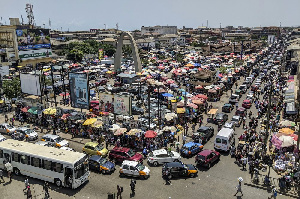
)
(132, 14)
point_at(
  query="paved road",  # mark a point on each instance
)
(217, 182)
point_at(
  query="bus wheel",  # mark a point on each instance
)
(16, 171)
(58, 182)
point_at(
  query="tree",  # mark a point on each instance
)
(12, 88)
(127, 51)
(223, 70)
(75, 55)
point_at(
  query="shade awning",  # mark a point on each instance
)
(212, 111)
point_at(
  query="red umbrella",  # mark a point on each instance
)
(150, 134)
(25, 109)
(63, 94)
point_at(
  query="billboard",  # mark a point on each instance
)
(100, 54)
(122, 105)
(4, 70)
(33, 43)
(79, 91)
(30, 84)
(106, 102)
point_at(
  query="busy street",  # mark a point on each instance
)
(158, 112)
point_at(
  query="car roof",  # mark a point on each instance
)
(50, 136)
(189, 144)
(95, 158)
(159, 151)
(227, 104)
(246, 100)
(204, 127)
(23, 128)
(174, 164)
(241, 109)
(123, 149)
(130, 163)
(236, 116)
(205, 152)
(91, 144)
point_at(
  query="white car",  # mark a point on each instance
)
(135, 169)
(29, 133)
(162, 156)
(55, 140)
(7, 128)
(2, 138)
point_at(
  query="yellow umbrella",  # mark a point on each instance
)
(134, 131)
(180, 110)
(109, 72)
(286, 131)
(19, 66)
(90, 121)
(1, 101)
(212, 111)
(46, 69)
(50, 111)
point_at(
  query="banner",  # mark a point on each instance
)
(79, 90)
(122, 105)
(100, 54)
(4, 70)
(106, 102)
(33, 43)
(30, 84)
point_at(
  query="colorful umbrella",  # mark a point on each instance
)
(120, 131)
(150, 134)
(286, 131)
(90, 121)
(50, 111)
(202, 96)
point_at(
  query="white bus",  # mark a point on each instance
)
(64, 168)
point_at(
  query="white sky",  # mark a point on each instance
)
(132, 14)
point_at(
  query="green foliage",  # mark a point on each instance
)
(127, 51)
(12, 88)
(223, 70)
(195, 44)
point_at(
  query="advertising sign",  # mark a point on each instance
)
(4, 70)
(30, 84)
(79, 90)
(122, 105)
(33, 43)
(106, 102)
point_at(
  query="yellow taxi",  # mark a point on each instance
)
(92, 148)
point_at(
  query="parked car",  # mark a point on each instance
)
(220, 118)
(254, 87)
(247, 103)
(135, 169)
(203, 134)
(227, 108)
(122, 153)
(207, 157)
(162, 156)
(191, 148)
(243, 88)
(7, 128)
(100, 164)
(92, 148)
(179, 169)
(55, 140)
(229, 125)
(241, 112)
(29, 133)
(234, 99)
(237, 120)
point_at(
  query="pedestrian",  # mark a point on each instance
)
(46, 189)
(29, 194)
(132, 186)
(167, 176)
(244, 163)
(239, 186)
(274, 193)
(1, 175)
(119, 191)
(9, 169)
(26, 182)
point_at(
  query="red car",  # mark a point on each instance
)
(207, 158)
(241, 112)
(246, 103)
(123, 153)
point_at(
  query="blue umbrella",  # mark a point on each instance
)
(182, 90)
(167, 95)
(185, 93)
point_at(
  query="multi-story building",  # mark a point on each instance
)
(159, 30)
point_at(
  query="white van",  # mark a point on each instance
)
(224, 139)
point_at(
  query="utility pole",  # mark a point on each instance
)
(268, 113)
(53, 86)
(185, 104)
(158, 106)
(149, 105)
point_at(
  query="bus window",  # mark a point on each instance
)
(25, 159)
(47, 165)
(1, 154)
(35, 162)
(59, 168)
(15, 157)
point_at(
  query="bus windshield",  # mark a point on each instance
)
(81, 167)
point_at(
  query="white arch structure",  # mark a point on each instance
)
(135, 53)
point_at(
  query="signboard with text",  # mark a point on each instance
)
(79, 91)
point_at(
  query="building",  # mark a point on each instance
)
(159, 30)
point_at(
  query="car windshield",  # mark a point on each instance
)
(218, 140)
(150, 154)
(140, 167)
(171, 154)
(235, 119)
(201, 157)
(28, 131)
(185, 148)
(9, 126)
(185, 166)
(219, 117)
(102, 161)
(58, 139)
(81, 167)
(130, 153)
(233, 97)
(98, 147)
